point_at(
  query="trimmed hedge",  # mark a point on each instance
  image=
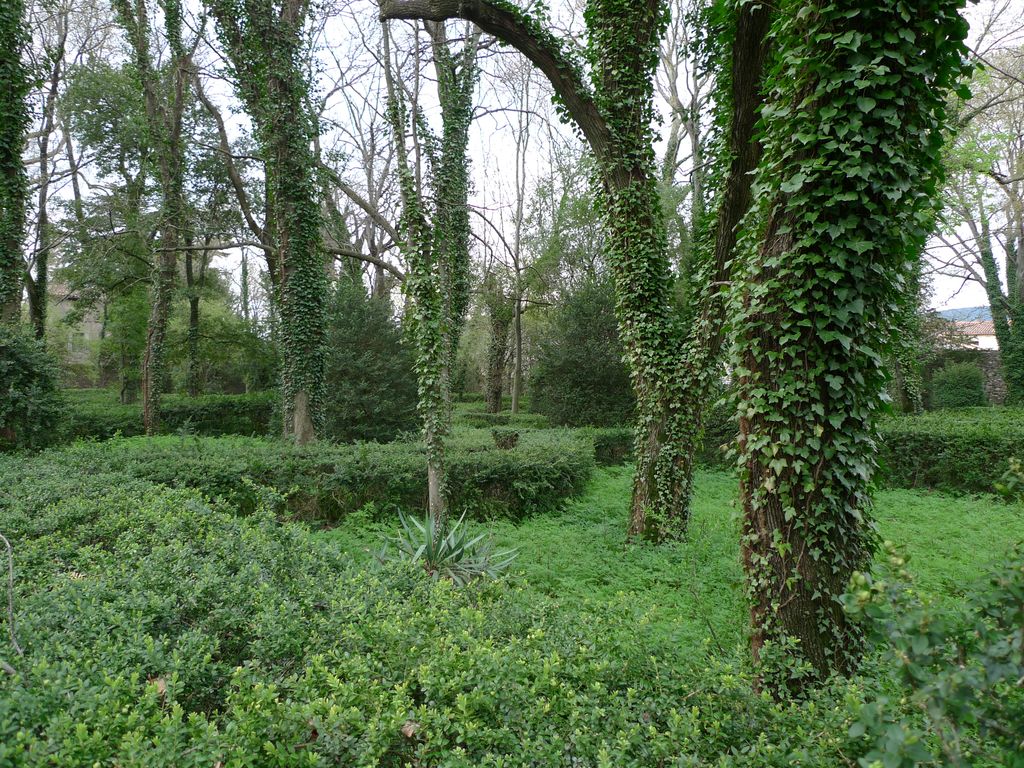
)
(96, 413)
(955, 451)
(612, 445)
(326, 482)
(160, 631)
(958, 385)
(483, 419)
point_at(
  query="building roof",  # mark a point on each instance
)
(975, 327)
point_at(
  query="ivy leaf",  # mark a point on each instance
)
(866, 103)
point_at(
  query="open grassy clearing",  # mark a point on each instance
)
(685, 594)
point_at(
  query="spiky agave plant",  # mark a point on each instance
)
(452, 553)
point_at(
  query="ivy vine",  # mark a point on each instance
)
(852, 132)
(14, 121)
(437, 250)
(265, 43)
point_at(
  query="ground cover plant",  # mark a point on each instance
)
(202, 636)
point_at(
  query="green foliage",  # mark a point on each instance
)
(579, 377)
(31, 406)
(98, 415)
(202, 637)
(451, 552)
(505, 438)
(1011, 484)
(325, 483)
(962, 451)
(852, 134)
(371, 386)
(14, 122)
(612, 445)
(474, 418)
(958, 385)
(962, 670)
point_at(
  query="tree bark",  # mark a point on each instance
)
(497, 354)
(14, 121)
(517, 373)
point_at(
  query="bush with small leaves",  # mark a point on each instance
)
(31, 405)
(962, 671)
(958, 385)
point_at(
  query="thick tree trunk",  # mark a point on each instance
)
(795, 569)
(13, 184)
(838, 227)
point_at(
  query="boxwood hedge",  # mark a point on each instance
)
(96, 413)
(961, 451)
(160, 630)
(326, 482)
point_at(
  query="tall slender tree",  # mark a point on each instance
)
(437, 249)
(165, 94)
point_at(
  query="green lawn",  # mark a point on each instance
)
(684, 595)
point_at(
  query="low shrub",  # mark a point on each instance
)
(31, 406)
(962, 669)
(502, 419)
(962, 451)
(612, 445)
(326, 482)
(505, 438)
(958, 385)
(96, 413)
(199, 639)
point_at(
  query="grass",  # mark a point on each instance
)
(686, 595)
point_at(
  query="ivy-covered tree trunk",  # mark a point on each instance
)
(264, 40)
(1007, 309)
(193, 287)
(14, 120)
(165, 102)
(740, 79)
(437, 281)
(497, 357)
(852, 133)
